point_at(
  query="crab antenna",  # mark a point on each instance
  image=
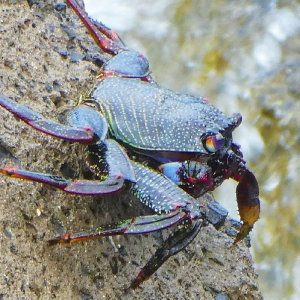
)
(105, 38)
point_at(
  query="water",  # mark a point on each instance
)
(244, 57)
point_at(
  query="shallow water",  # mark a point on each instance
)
(245, 58)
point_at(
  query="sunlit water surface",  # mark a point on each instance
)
(245, 57)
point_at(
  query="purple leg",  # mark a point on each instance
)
(81, 187)
(174, 244)
(125, 62)
(138, 225)
(105, 38)
(145, 224)
(89, 127)
(107, 159)
(176, 206)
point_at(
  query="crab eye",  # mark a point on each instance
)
(214, 143)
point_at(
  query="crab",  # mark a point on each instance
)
(169, 148)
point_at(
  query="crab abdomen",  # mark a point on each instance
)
(149, 117)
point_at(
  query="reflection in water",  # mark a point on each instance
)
(245, 57)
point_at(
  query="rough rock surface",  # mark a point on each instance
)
(47, 60)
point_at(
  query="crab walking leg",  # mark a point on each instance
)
(162, 195)
(106, 39)
(247, 193)
(85, 124)
(80, 187)
(124, 62)
(172, 245)
(107, 157)
(109, 160)
(138, 225)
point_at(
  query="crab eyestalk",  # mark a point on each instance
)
(247, 193)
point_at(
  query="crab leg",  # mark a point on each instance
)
(100, 157)
(125, 62)
(247, 193)
(177, 207)
(105, 38)
(81, 187)
(138, 225)
(174, 244)
(176, 203)
(109, 160)
(86, 124)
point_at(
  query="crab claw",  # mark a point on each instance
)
(247, 193)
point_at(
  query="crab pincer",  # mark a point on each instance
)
(247, 193)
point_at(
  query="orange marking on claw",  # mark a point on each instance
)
(249, 214)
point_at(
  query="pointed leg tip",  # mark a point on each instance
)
(8, 171)
(54, 241)
(135, 283)
(64, 239)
